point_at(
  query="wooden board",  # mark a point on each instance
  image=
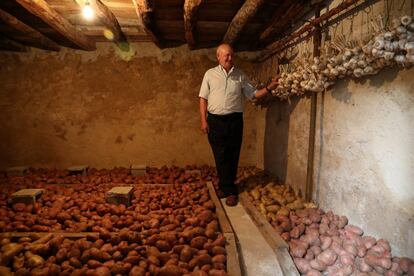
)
(17, 171)
(221, 214)
(233, 263)
(64, 234)
(138, 170)
(81, 169)
(278, 245)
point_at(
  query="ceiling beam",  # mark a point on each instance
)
(42, 10)
(26, 34)
(286, 13)
(241, 19)
(309, 28)
(190, 19)
(145, 11)
(107, 18)
(7, 44)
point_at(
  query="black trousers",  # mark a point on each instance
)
(225, 138)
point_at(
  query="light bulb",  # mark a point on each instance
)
(87, 11)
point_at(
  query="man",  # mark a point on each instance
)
(222, 95)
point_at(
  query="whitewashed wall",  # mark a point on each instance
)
(364, 155)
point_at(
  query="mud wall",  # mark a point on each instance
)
(107, 108)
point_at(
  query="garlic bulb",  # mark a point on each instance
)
(406, 20)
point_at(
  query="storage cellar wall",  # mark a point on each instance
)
(364, 151)
(108, 108)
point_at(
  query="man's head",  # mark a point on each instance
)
(225, 56)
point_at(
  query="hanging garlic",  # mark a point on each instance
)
(401, 30)
(362, 63)
(358, 72)
(368, 70)
(409, 47)
(388, 36)
(411, 27)
(379, 44)
(410, 58)
(406, 20)
(400, 59)
(388, 55)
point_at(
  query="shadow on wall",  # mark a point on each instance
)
(276, 139)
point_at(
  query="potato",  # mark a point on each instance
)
(93, 264)
(317, 265)
(328, 257)
(170, 270)
(186, 254)
(163, 245)
(217, 250)
(302, 265)
(374, 261)
(75, 262)
(354, 229)
(219, 259)
(198, 242)
(326, 242)
(137, 271)
(216, 272)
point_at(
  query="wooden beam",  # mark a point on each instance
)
(277, 46)
(7, 44)
(240, 20)
(42, 10)
(107, 18)
(281, 16)
(190, 18)
(26, 34)
(145, 11)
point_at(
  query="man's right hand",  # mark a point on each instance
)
(204, 127)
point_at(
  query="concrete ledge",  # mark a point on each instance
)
(120, 195)
(17, 171)
(138, 170)
(27, 196)
(79, 169)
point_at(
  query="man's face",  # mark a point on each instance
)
(225, 57)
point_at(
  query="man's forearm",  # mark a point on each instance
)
(203, 109)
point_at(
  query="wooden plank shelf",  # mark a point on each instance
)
(233, 263)
(278, 245)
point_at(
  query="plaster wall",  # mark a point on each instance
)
(364, 151)
(107, 108)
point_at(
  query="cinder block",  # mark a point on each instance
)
(193, 172)
(27, 196)
(138, 170)
(81, 169)
(120, 195)
(17, 171)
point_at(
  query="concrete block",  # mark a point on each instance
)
(80, 169)
(138, 170)
(27, 196)
(193, 172)
(17, 171)
(120, 195)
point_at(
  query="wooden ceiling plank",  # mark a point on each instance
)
(145, 11)
(190, 18)
(282, 16)
(240, 20)
(42, 10)
(7, 44)
(31, 36)
(109, 20)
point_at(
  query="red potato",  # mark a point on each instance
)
(326, 242)
(328, 257)
(302, 265)
(317, 265)
(354, 229)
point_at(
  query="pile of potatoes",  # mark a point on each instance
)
(321, 243)
(171, 230)
(163, 175)
(125, 253)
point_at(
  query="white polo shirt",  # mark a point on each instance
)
(225, 92)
